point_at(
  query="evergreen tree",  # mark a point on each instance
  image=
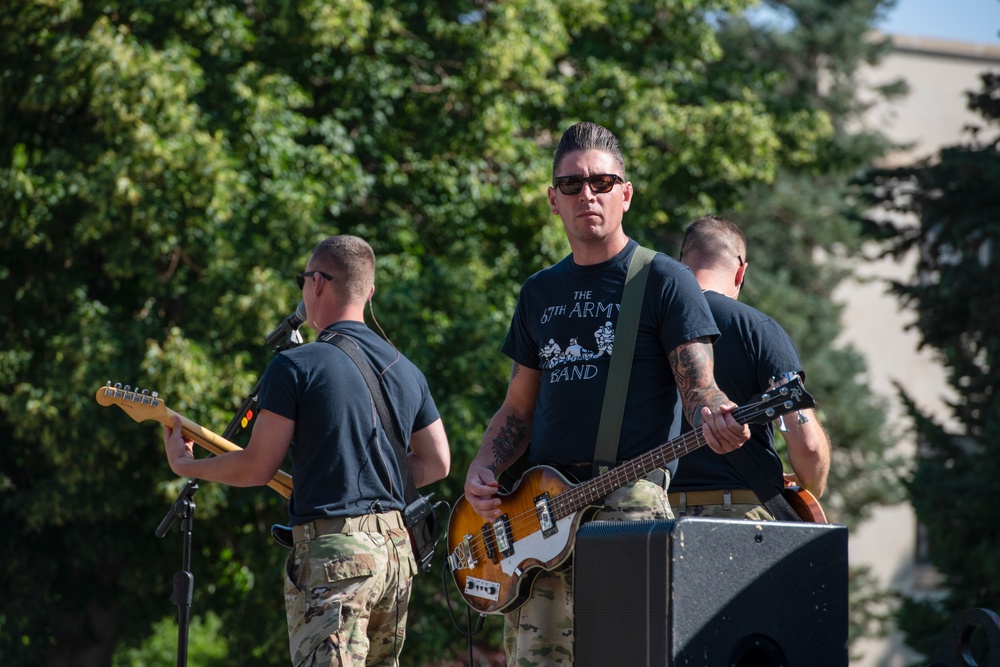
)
(944, 211)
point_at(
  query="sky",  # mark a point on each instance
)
(959, 20)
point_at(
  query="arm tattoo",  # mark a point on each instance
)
(694, 365)
(505, 444)
(514, 369)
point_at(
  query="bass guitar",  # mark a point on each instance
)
(143, 406)
(494, 563)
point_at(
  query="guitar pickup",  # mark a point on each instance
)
(490, 542)
(503, 536)
(544, 516)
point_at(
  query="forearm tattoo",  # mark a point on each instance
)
(506, 443)
(693, 364)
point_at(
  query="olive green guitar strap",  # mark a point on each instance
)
(606, 450)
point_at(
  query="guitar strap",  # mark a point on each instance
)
(377, 391)
(616, 391)
(772, 496)
(418, 515)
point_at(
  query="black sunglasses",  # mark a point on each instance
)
(301, 278)
(599, 183)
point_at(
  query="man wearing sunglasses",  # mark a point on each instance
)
(752, 350)
(348, 576)
(554, 399)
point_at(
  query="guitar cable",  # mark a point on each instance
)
(468, 632)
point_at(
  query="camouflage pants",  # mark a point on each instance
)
(540, 632)
(346, 597)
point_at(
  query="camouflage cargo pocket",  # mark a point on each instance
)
(317, 586)
(639, 501)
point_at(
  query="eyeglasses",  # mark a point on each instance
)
(301, 278)
(599, 183)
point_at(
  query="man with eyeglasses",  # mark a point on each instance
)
(553, 402)
(752, 349)
(348, 577)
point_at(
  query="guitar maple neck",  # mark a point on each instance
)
(142, 406)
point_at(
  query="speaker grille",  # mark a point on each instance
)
(701, 591)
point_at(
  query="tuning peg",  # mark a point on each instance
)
(782, 378)
(802, 418)
(781, 425)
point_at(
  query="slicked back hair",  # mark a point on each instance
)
(351, 262)
(713, 242)
(587, 137)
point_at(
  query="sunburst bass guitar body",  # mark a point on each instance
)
(495, 563)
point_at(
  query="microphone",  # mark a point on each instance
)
(288, 331)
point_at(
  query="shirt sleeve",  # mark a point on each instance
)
(683, 306)
(279, 388)
(776, 353)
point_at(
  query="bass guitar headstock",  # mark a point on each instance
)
(778, 381)
(785, 397)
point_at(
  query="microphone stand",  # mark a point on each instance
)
(183, 509)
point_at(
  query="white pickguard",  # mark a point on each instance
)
(538, 546)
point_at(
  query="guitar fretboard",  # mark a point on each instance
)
(589, 492)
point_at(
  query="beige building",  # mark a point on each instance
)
(934, 114)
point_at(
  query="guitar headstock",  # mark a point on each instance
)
(787, 396)
(139, 405)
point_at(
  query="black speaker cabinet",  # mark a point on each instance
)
(710, 593)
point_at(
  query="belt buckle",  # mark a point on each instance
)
(727, 499)
(683, 502)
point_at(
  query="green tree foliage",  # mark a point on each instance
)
(943, 211)
(165, 169)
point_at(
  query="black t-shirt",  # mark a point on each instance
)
(752, 349)
(564, 326)
(342, 464)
